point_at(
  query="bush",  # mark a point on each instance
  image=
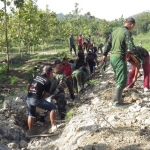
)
(13, 80)
(3, 69)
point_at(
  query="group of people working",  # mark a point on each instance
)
(74, 74)
(52, 82)
(123, 50)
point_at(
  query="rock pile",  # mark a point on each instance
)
(95, 125)
(13, 116)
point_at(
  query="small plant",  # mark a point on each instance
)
(3, 69)
(92, 82)
(13, 80)
(69, 114)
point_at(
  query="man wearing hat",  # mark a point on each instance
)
(58, 83)
(38, 91)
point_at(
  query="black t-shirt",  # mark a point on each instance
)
(39, 85)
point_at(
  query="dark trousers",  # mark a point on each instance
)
(61, 104)
(72, 47)
(70, 87)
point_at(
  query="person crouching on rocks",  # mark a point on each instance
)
(79, 77)
(38, 91)
(146, 69)
(58, 82)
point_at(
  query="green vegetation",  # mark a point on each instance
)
(92, 82)
(13, 80)
(69, 114)
(3, 71)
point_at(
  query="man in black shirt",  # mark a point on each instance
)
(38, 90)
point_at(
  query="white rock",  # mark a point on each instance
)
(145, 99)
(147, 121)
(111, 118)
(95, 101)
(128, 123)
(145, 110)
(12, 145)
(143, 127)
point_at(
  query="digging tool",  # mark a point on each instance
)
(129, 85)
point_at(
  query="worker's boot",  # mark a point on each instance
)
(117, 100)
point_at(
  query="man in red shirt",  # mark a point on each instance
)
(80, 42)
(67, 70)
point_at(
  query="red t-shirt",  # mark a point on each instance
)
(79, 41)
(67, 70)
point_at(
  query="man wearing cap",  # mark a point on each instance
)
(58, 83)
(38, 91)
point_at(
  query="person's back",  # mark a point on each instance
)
(142, 51)
(38, 91)
(119, 48)
(38, 86)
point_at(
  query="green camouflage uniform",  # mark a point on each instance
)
(79, 77)
(119, 43)
(57, 89)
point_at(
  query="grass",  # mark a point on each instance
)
(92, 82)
(144, 38)
(69, 114)
(13, 80)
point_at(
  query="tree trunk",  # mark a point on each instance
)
(6, 35)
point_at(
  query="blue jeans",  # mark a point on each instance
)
(32, 103)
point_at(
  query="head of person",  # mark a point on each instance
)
(129, 23)
(71, 34)
(80, 35)
(47, 71)
(93, 44)
(71, 61)
(65, 60)
(84, 65)
(57, 66)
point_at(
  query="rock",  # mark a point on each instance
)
(144, 110)
(147, 121)
(135, 96)
(23, 144)
(128, 123)
(12, 145)
(111, 118)
(145, 99)
(3, 147)
(95, 101)
(139, 102)
(143, 127)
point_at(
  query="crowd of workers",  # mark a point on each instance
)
(66, 73)
(74, 73)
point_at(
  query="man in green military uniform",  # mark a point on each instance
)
(79, 77)
(58, 83)
(119, 43)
